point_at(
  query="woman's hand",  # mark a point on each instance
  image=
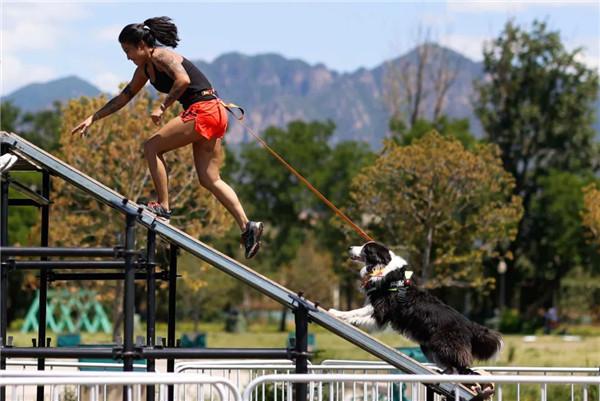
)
(83, 126)
(157, 114)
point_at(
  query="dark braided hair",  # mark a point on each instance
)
(158, 29)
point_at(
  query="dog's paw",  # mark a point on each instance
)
(337, 313)
(484, 391)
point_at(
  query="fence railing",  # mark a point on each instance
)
(356, 385)
(520, 383)
(80, 386)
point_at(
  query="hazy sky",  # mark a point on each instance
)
(46, 40)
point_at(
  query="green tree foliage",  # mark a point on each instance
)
(42, 128)
(447, 127)
(537, 104)
(446, 208)
(9, 117)
(556, 213)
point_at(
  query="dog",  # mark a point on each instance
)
(447, 338)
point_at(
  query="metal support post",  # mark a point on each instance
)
(3, 276)
(150, 305)
(43, 293)
(301, 348)
(172, 309)
(129, 300)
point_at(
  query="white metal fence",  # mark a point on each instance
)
(65, 386)
(346, 380)
(241, 374)
(366, 387)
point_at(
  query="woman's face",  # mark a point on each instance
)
(138, 54)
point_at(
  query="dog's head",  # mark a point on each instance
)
(378, 262)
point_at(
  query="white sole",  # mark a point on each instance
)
(7, 161)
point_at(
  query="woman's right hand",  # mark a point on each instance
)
(83, 126)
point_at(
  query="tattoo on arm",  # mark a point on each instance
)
(113, 105)
(170, 64)
(127, 92)
(173, 68)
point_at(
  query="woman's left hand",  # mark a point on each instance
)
(157, 115)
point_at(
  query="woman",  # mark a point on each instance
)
(202, 123)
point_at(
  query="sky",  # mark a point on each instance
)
(44, 40)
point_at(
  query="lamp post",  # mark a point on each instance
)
(502, 287)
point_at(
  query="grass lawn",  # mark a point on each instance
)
(545, 351)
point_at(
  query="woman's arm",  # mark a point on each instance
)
(170, 63)
(137, 82)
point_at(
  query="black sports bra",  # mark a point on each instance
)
(193, 93)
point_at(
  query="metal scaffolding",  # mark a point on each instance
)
(133, 264)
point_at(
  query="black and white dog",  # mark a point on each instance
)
(447, 338)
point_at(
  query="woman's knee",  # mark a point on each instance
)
(207, 181)
(151, 147)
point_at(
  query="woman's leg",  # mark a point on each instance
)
(207, 159)
(174, 134)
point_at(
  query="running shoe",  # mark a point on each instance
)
(158, 210)
(251, 238)
(6, 162)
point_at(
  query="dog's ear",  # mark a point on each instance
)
(377, 254)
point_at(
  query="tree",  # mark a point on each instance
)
(447, 127)
(9, 117)
(43, 127)
(112, 154)
(446, 208)
(537, 104)
(556, 212)
(428, 74)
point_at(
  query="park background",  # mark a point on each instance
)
(481, 169)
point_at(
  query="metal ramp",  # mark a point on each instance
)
(316, 314)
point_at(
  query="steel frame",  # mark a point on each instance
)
(304, 309)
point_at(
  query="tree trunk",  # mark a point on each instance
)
(427, 256)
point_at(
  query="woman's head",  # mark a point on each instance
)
(151, 31)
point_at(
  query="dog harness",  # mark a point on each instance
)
(400, 286)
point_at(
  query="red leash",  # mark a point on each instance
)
(230, 106)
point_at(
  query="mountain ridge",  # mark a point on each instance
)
(275, 90)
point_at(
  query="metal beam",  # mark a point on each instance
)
(101, 276)
(69, 264)
(66, 252)
(24, 190)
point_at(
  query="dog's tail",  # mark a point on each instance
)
(485, 343)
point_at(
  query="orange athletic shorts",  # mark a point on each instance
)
(210, 118)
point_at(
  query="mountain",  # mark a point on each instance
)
(40, 96)
(275, 90)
